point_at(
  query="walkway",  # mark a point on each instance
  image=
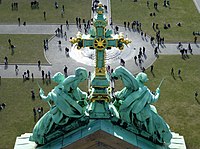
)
(84, 57)
(197, 4)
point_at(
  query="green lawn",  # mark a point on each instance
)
(176, 104)
(181, 11)
(29, 48)
(73, 8)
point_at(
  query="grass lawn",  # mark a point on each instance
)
(176, 104)
(29, 48)
(183, 11)
(73, 8)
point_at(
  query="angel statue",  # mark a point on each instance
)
(134, 105)
(66, 97)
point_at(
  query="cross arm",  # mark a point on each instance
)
(82, 42)
(118, 43)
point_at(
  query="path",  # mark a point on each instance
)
(57, 58)
(197, 4)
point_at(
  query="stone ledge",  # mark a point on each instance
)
(94, 133)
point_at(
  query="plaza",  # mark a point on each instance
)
(185, 106)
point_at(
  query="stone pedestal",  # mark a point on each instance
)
(22, 142)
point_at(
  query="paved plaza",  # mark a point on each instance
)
(57, 59)
(197, 4)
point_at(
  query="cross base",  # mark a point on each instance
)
(99, 109)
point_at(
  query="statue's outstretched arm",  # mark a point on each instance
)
(45, 98)
(156, 96)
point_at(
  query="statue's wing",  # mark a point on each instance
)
(127, 78)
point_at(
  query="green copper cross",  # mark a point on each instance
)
(100, 39)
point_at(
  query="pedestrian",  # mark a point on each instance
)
(128, 24)
(156, 51)
(179, 72)
(65, 71)
(18, 21)
(28, 74)
(140, 51)
(172, 71)
(195, 39)
(140, 61)
(47, 44)
(46, 79)
(67, 24)
(148, 3)
(111, 23)
(77, 21)
(152, 40)
(124, 24)
(16, 68)
(67, 51)
(39, 64)
(157, 26)
(34, 114)
(122, 62)
(9, 41)
(153, 25)
(12, 48)
(44, 44)
(39, 113)
(65, 36)
(63, 8)
(61, 29)
(41, 108)
(6, 60)
(143, 50)
(25, 76)
(139, 56)
(143, 69)
(49, 74)
(32, 94)
(135, 58)
(112, 86)
(152, 68)
(196, 94)
(44, 13)
(32, 77)
(59, 43)
(189, 47)
(42, 74)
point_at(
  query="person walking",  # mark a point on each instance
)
(65, 71)
(179, 72)
(195, 39)
(152, 68)
(172, 71)
(6, 60)
(44, 14)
